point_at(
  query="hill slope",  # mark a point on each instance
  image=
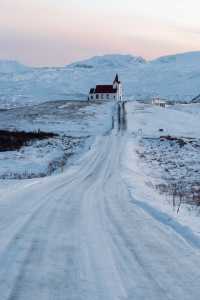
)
(12, 66)
(175, 77)
(196, 99)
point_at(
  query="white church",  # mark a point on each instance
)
(107, 92)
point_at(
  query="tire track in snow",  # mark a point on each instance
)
(22, 245)
(119, 214)
(30, 223)
(84, 239)
(125, 254)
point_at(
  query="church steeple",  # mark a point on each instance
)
(116, 79)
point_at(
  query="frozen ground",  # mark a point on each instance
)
(96, 231)
(76, 123)
(155, 164)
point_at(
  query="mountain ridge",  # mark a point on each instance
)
(174, 77)
(134, 58)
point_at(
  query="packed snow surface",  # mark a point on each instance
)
(173, 77)
(89, 234)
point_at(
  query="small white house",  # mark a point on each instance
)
(107, 92)
(159, 102)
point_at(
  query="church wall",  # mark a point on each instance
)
(96, 97)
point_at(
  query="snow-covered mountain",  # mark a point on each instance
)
(12, 66)
(109, 61)
(175, 77)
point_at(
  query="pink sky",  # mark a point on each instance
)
(43, 32)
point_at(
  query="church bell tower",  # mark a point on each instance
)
(118, 85)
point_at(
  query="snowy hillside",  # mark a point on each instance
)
(12, 66)
(175, 77)
(196, 99)
(109, 61)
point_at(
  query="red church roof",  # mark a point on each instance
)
(105, 89)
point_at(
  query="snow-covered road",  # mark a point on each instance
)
(79, 235)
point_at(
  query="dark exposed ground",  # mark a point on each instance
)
(14, 140)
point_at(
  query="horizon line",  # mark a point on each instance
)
(98, 55)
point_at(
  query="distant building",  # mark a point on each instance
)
(107, 92)
(159, 102)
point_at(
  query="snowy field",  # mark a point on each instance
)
(160, 162)
(163, 161)
(100, 230)
(77, 124)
